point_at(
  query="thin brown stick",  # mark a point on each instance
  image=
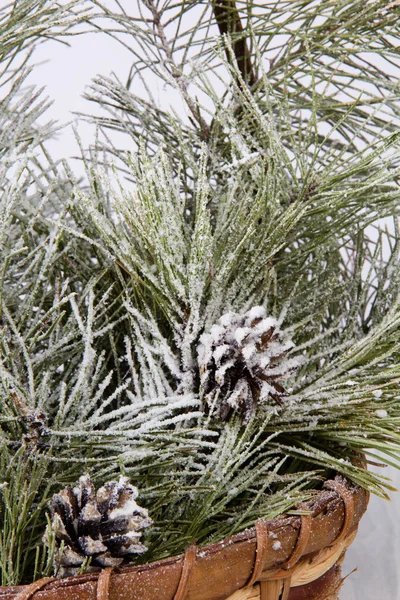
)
(228, 21)
(175, 72)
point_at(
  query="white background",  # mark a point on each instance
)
(376, 551)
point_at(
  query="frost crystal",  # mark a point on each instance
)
(276, 545)
(242, 362)
(381, 413)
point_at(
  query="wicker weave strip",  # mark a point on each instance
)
(310, 569)
(254, 593)
(188, 564)
(277, 587)
(307, 570)
(103, 584)
(348, 501)
(302, 540)
(31, 590)
(261, 551)
(274, 590)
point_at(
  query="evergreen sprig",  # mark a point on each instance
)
(270, 193)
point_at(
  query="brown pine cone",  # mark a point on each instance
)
(242, 362)
(105, 525)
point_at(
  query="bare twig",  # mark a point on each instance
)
(175, 72)
(228, 21)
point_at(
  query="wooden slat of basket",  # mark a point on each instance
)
(309, 569)
(325, 589)
(221, 568)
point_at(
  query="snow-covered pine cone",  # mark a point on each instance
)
(105, 525)
(242, 363)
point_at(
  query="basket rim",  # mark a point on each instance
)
(223, 567)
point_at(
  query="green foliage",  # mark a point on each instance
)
(271, 191)
(24, 492)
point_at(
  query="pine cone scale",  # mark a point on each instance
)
(90, 546)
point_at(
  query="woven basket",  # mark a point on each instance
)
(291, 557)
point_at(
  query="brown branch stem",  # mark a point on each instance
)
(175, 72)
(228, 21)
